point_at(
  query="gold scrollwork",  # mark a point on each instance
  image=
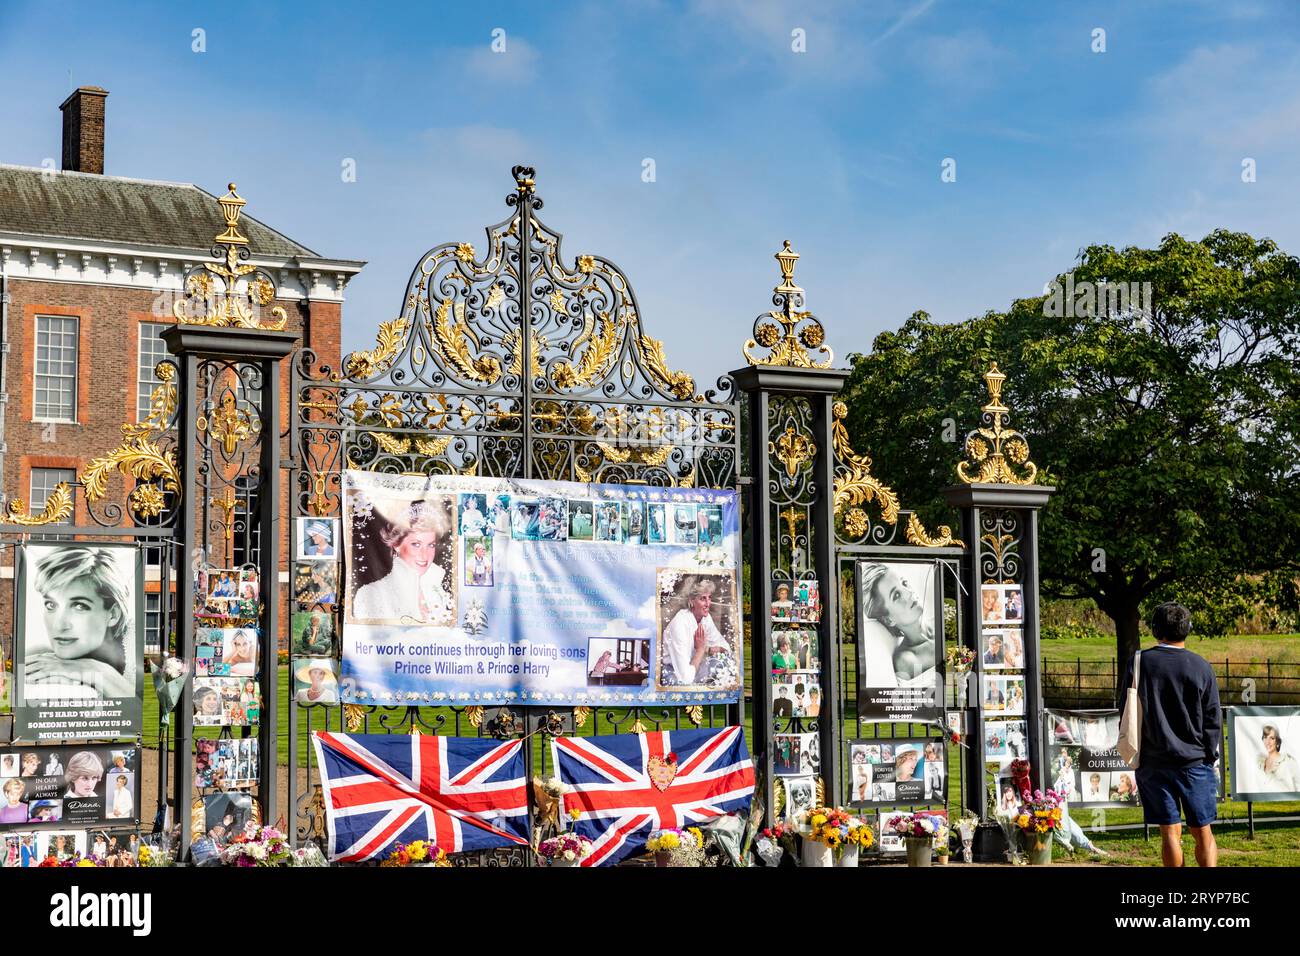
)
(581, 716)
(427, 447)
(793, 450)
(917, 534)
(138, 458)
(162, 404)
(368, 363)
(58, 508)
(599, 343)
(794, 339)
(454, 340)
(239, 305)
(1008, 447)
(228, 423)
(678, 384)
(319, 503)
(696, 714)
(354, 717)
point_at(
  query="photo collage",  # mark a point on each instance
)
(313, 623)
(796, 676)
(216, 819)
(1001, 687)
(896, 771)
(796, 602)
(225, 763)
(1083, 762)
(68, 784)
(796, 755)
(113, 848)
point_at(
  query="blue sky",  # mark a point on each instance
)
(838, 149)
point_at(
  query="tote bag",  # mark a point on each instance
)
(1130, 723)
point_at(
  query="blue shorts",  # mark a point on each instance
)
(1194, 789)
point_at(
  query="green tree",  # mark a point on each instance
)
(1169, 431)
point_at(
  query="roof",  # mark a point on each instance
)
(69, 205)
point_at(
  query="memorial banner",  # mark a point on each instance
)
(486, 590)
(78, 655)
(81, 785)
(900, 641)
(1083, 762)
(897, 771)
(1262, 743)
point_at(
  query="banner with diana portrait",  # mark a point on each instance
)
(487, 590)
(900, 641)
(78, 657)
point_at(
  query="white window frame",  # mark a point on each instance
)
(37, 374)
(142, 397)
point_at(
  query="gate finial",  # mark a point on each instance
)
(798, 335)
(995, 447)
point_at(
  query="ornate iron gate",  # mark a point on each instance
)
(508, 363)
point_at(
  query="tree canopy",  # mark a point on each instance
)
(1166, 412)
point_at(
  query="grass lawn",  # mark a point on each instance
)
(1236, 647)
(1273, 845)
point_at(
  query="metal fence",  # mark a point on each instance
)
(1082, 684)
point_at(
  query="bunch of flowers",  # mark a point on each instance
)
(837, 828)
(683, 847)
(260, 846)
(309, 855)
(773, 842)
(960, 659)
(1040, 812)
(569, 847)
(918, 826)
(415, 853)
(76, 860)
(150, 855)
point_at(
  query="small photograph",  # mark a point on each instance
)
(871, 753)
(935, 771)
(1013, 603)
(1123, 787)
(222, 585)
(1066, 730)
(478, 562)
(1099, 733)
(499, 514)
(582, 520)
(807, 601)
(210, 652)
(860, 778)
(524, 525)
(1005, 788)
(994, 695)
(119, 796)
(682, 528)
(316, 680)
(782, 601)
(1017, 737)
(800, 796)
(995, 740)
(249, 585)
(1096, 786)
(222, 816)
(634, 522)
(992, 608)
(1013, 644)
(239, 651)
(318, 539)
(708, 521)
(313, 633)
(618, 661)
(993, 648)
(13, 808)
(656, 523)
(9, 765)
(45, 811)
(226, 701)
(795, 754)
(955, 721)
(316, 582)
(552, 519)
(60, 844)
(473, 511)
(795, 651)
(887, 755)
(909, 763)
(882, 791)
(1014, 690)
(609, 522)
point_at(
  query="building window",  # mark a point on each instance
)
(56, 368)
(44, 481)
(248, 537)
(152, 623)
(152, 351)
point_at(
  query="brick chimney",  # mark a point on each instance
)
(83, 130)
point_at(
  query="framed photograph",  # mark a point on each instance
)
(222, 586)
(78, 648)
(473, 515)
(312, 633)
(656, 523)
(910, 771)
(795, 651)
(708, 520)
(316, 680)
(689, 602)
(618, 661)
(318, 539)
(401, 553)
(315, 583)
(1082, 759)
(800, 796)
(609, 521)
(634, 522)
(1262, 747)
(1002, 604)
(900, 640)
(682, 528)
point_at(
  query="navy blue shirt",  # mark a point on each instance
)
(1182, 724)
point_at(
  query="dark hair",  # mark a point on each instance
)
(1171, 623)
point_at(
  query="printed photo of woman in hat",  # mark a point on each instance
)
(401, 554)
(316, 681)
(318, 539)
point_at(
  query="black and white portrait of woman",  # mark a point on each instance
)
(79, 636)
(898, 645)
(401, 562)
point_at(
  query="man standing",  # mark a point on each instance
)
(1182, 727)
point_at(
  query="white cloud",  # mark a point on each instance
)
(516, 63)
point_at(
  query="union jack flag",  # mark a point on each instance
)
(462, 793)
(626, 786)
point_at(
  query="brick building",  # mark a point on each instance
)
(89, 265)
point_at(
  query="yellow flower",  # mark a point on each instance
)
(86, 863)
(1022, 821)
(575, 813)
(419, 850)
(818, 820)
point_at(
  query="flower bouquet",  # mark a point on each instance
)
(566, 849)
(416, 853)
(677, 847)
(920, 833)
(835, 836)
(1039, 815)
(774, 843)
(259, 846)
(959, 659)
